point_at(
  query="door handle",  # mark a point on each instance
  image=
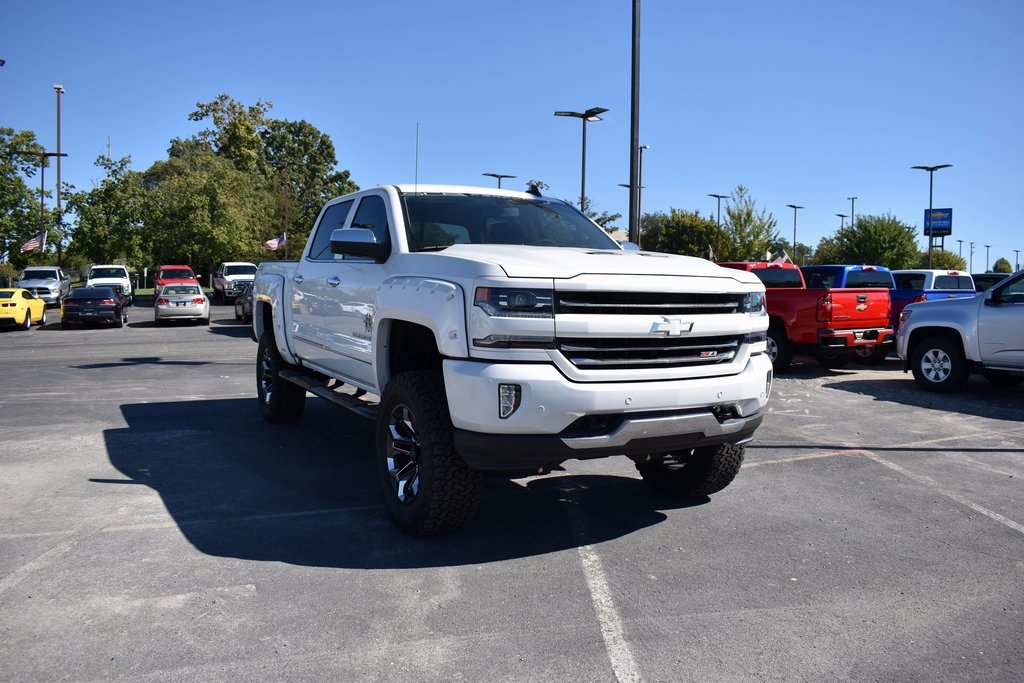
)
(334, 281)
(298, 279)
(862, 298)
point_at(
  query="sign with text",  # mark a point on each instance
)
(939, 224)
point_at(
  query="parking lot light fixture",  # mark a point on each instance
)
(592, 114)
(794, 207)
(499, 176)
(718, 222)
(842, 220)
(931, 186)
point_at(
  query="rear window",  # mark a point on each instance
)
(779, 277)
(869, 278)
(909, 280)
(954, 282)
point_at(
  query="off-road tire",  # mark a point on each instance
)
(939, 365)
(695, 473)
(780, 348)
(280, 400)
(428, 489)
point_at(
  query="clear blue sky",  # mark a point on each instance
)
(804, 102)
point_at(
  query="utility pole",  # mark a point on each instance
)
(59, 90)
(986, 257)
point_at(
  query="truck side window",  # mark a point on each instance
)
(334, 218)
(373, 215)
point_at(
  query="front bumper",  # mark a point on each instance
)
(558, 420)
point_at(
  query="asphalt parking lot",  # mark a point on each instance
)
(153, 527)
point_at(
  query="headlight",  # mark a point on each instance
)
(753, 303)
(515, 302)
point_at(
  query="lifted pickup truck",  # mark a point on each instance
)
(941, 342)
(506, 332)
(830, 324)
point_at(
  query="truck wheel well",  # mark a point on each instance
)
(411, 347)
(920, 335)
(266, 319)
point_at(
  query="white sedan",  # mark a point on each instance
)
(181, 302)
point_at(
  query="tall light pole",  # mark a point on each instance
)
(931, 186)
(591, 114)
(986, 256)
(639, 190)
(499, 176)
(1016, 260)
(634, 127)
(718, 221)
(59, 90)
(971, 267)
(960, 248)
(842, 220)
(42, 189)
(853, 211)
(794, 207)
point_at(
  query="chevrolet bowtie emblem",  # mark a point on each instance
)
(671, 327)
(862, 307)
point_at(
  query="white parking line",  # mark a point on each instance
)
(619, 653)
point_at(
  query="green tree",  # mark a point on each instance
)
(1002, 265)
(236, 130)
(747, 234)
(110, 217)
(876, 240)
(944, 260)
(678, 232)
(19, 205)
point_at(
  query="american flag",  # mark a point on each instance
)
(269, 245)
(34, 243)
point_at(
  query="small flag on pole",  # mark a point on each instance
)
(34, 243)
(276, 243)
(782, 257)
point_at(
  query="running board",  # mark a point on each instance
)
(356, 400)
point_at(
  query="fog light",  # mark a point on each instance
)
(509, 396)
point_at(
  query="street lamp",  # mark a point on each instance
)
(499, 176)
(971, 267)
(960, 248)
(591, 114)
(718, 221)
(42, 187)
(853, 212)
(794, 207)
(931, 176)
(986, 256)
(1016, 260)
(59, 90)
(842, 220)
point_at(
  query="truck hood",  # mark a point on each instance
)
(562, 263)
(37, 282)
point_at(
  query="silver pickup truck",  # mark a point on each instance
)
(506, 332)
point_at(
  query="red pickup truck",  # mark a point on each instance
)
(829, 324)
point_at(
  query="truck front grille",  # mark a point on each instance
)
(622, 354)
(645, 303)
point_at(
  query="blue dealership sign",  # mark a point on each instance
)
(940, 223)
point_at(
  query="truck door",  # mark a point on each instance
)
(1001, 326)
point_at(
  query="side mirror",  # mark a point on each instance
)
(629, 246)
(991, 299)
(359, 242)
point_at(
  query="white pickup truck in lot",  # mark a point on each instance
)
(941, 342)
(501, 331)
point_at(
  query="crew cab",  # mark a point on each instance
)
(829, 324)
(942, 342)
(229, 278)
(49, 283)
(914, 286)
(111, 275)
(493, 330)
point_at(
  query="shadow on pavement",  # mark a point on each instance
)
(307, 493)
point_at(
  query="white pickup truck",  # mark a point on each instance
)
(493, 330)
(941, 342)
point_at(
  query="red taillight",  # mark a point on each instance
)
(107, 302)
(824, 312)
(920, 297)
(199, 300)
(69, 303)
(163, 301)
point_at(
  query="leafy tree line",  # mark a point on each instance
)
(248, 177)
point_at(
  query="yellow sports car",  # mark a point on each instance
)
(22, 308)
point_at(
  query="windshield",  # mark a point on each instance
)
(108, 272)
(239, 270)
(38, 274)
(436, 221)
(176, 274)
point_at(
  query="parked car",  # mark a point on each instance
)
(90, 305)
(942, 342)
(49, 283)
(229, 276)
(243, 303)
(22, 308)
(173, 275)
(984, 281)
(111, 275)
(181, 301)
